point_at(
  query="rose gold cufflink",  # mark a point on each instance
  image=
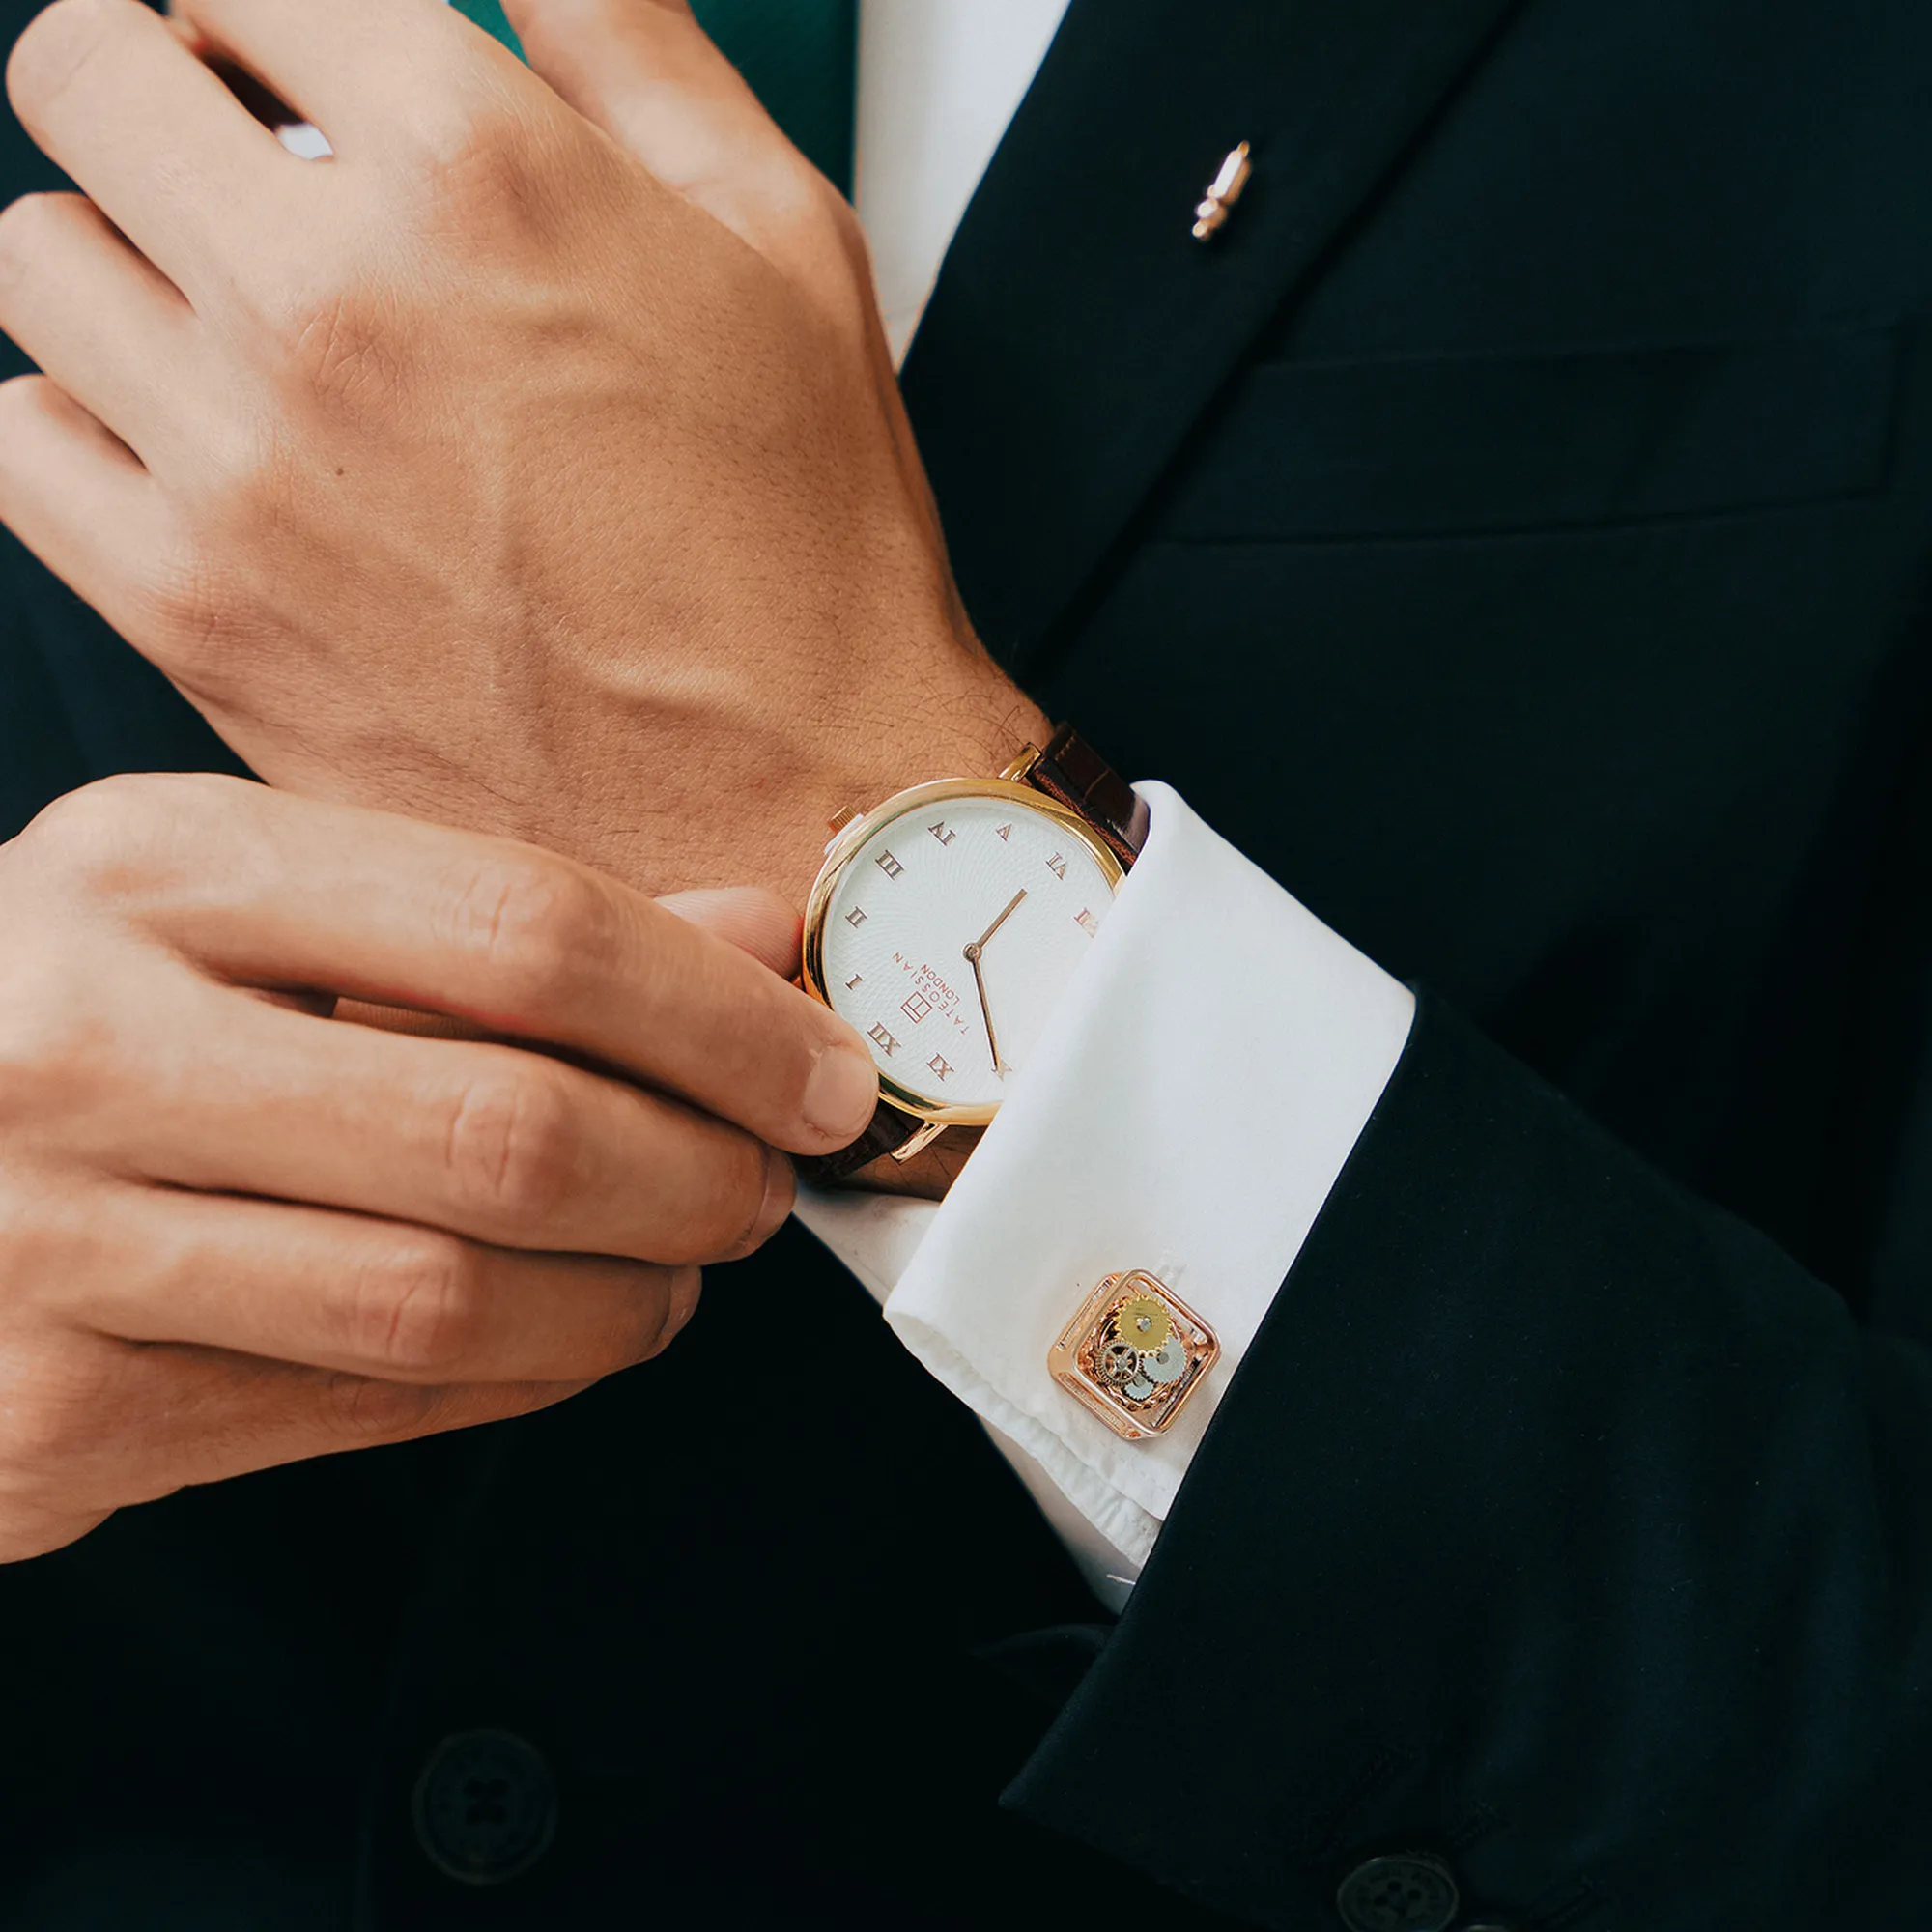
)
(1133, 1353)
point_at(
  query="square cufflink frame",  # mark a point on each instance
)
(1133, 1353)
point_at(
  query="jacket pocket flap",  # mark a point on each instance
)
(1439, 446)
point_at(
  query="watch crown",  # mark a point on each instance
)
(842, 819)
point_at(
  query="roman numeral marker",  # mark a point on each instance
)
(1087, 923)
(939, 1065)
(889, 865)
(855, 917)
(880, 1036)
(1057, 866)
(940, 833)
(856, 979)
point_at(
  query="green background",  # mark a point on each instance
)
(800, 56)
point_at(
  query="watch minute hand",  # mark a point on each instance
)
(973, 950)
(1000, 1067)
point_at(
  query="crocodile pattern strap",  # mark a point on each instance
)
(1074, 773)
(889, 1128)
(1071, 771)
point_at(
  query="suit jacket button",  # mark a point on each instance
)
(1406, 1891)
(485, 1806)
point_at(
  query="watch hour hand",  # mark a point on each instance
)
(973, 952)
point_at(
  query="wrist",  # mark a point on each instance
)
(745, 799)
(971, 725)
(968, 721)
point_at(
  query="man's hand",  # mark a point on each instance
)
(236, 1232)
(535, 462)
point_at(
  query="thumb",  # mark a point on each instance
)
(648, 74)
(751, 919)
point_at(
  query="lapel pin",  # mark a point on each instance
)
(1223, 192)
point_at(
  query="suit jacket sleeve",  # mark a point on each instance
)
(1557, 1523)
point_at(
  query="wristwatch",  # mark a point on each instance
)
(947, 922)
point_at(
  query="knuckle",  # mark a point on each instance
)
(33, 1249)
(359, 1409)
(729, 1220)
(490, 181)
(840, 221)
(684, 1288)
(110, 836)
(49, 1414)
(541, 929)
(23, 400)
(472, 150)
(511, 1147)
(107, 819)
(59, 45)
(416, 1310)
(193, 614)
(34, 1430)
(654, 1310)
(56, 1049)
(345, 347)
(25, 225)
(803, 204)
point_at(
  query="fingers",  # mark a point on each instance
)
(360, 70)
(291, 893)
(125, 1422)
(646, 73)
(94, 315)
(367, 1298)
(753, 920)
(79, 500)
(486, 1141)
(109, 92)
(268, 1413)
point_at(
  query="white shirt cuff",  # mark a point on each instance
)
(1198, 1092)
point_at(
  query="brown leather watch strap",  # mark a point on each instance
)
(1070, 770)
(1074, 773)
(890, 1128)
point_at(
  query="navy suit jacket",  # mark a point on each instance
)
(1516, 532)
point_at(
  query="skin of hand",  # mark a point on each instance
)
(534, 463)
(237, 1230)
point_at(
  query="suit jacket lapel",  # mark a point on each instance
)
(1078, 329)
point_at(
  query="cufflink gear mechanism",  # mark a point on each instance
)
(1141, 1322)
(1133, 1353)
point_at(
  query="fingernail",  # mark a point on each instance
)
(841, 1093)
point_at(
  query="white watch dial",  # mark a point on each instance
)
(950, 934)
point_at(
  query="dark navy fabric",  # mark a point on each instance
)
(1516, 532)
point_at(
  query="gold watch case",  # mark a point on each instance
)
(845, 846)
